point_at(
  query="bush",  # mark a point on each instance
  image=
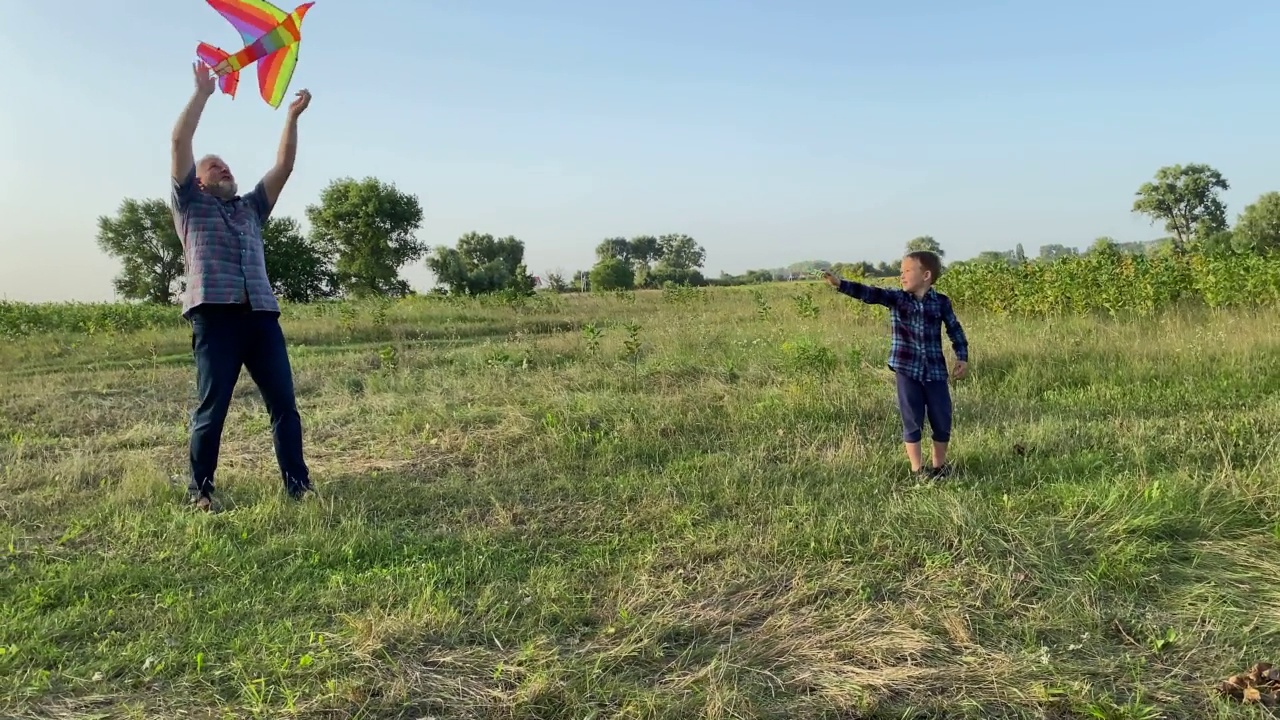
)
(1114, 283)
(612, 274)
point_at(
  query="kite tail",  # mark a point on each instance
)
(213, 57)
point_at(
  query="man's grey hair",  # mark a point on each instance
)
(225, 190)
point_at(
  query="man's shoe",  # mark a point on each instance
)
(298, 491)
(202, 502)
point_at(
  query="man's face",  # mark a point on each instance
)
(216, 178)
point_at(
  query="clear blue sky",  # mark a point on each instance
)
(769, 131)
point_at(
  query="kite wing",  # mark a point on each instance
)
(212, 56)
(251, 18)
(274, 73)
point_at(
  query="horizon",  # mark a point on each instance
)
(769, 134)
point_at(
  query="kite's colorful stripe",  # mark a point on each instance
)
(271, 39)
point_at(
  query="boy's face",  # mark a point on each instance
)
(913, 276)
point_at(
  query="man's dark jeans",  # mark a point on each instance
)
(223, 338)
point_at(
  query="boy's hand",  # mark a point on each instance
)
(960, 369)
(831, 279)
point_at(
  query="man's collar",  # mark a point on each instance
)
(232, 199)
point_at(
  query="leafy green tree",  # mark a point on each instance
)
(1052, 252)
(1257, 229)
(612, 274)
(616, 247)
(805, 267)
(481, 264)
(1105, 246)
(851, 271)
(645, 251)
(925, 243)
(298, 269)
(680, 252)
(556, 282)
(143, 238)
(992, 256)
(1185, 198)
(367, 227)
(662, 275)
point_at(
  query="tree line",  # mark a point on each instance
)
(1186, 199)
(362, 232)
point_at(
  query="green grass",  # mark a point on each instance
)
(711, 523)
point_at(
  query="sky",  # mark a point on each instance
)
(770, 132)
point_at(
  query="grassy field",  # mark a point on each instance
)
(679, 505)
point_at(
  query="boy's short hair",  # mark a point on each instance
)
(930, 261)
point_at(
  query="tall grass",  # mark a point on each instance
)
(690, 503)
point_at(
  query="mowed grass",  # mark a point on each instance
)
(539, 512)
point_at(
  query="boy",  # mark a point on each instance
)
(915, 355)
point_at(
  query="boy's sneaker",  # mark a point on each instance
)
(940, 473)
(921, 477)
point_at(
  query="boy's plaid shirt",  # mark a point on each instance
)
(916, 347)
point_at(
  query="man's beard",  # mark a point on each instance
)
(223, 189)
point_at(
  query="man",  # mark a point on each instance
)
(233, 312)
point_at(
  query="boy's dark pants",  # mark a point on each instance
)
(223, 338)
(918, 400)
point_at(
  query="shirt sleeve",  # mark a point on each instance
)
(870, 294)
(257, 199)
(183, 190)
(959, 342)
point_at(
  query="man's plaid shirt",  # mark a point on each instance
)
(222, 246)
(916, 346)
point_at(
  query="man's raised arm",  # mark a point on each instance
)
(273, 182)
(185, 129)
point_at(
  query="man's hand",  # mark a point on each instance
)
(273, 182)
(185, 128)
(297, 106)
(206, 83)
(831, 279)
(960, 369)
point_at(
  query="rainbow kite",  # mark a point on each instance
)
(270, 36)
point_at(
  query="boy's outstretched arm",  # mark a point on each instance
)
(959, 342)
(869, 294)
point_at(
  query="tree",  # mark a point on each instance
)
(368, 228)
(1186, 199)
(298, 270)
(1105, 246)
(480, 265)
(1019, 255)
(992, 256)
(556, 282)
(1052, 252)
(1257, 229)
(808, 267)
(925, 243)
(644, 251)
(143, 238)
(1220, 243)
(612, 274)
(616, 247)
(680, 252)
(850, 271)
